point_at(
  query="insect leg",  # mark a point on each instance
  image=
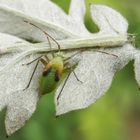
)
(105, 53)
(71, 70)
(47, 58)
(40, 57)
(32, 75)
(67, 66)
(76, 76)
(73, 55)
(32, 61)
(63, 87)
(94, 51)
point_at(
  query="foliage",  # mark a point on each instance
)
(107, 123)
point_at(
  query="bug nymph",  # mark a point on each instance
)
(54, 68)
(52, 73)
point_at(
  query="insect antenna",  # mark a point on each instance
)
(48, 36)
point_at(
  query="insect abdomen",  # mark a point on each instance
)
(49, 81)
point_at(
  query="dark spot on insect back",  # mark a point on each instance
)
(57, 77)
(46, 72)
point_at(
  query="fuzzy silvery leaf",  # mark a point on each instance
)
(58, 24)
(108, 20)
(137, 67)
(20, 104)
(95, 70)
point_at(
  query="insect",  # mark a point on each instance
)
(54, 68)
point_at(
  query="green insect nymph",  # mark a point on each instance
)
(52, 74)
(53, 68)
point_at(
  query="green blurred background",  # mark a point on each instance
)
(116, 116)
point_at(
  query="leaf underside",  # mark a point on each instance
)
(95, 69)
